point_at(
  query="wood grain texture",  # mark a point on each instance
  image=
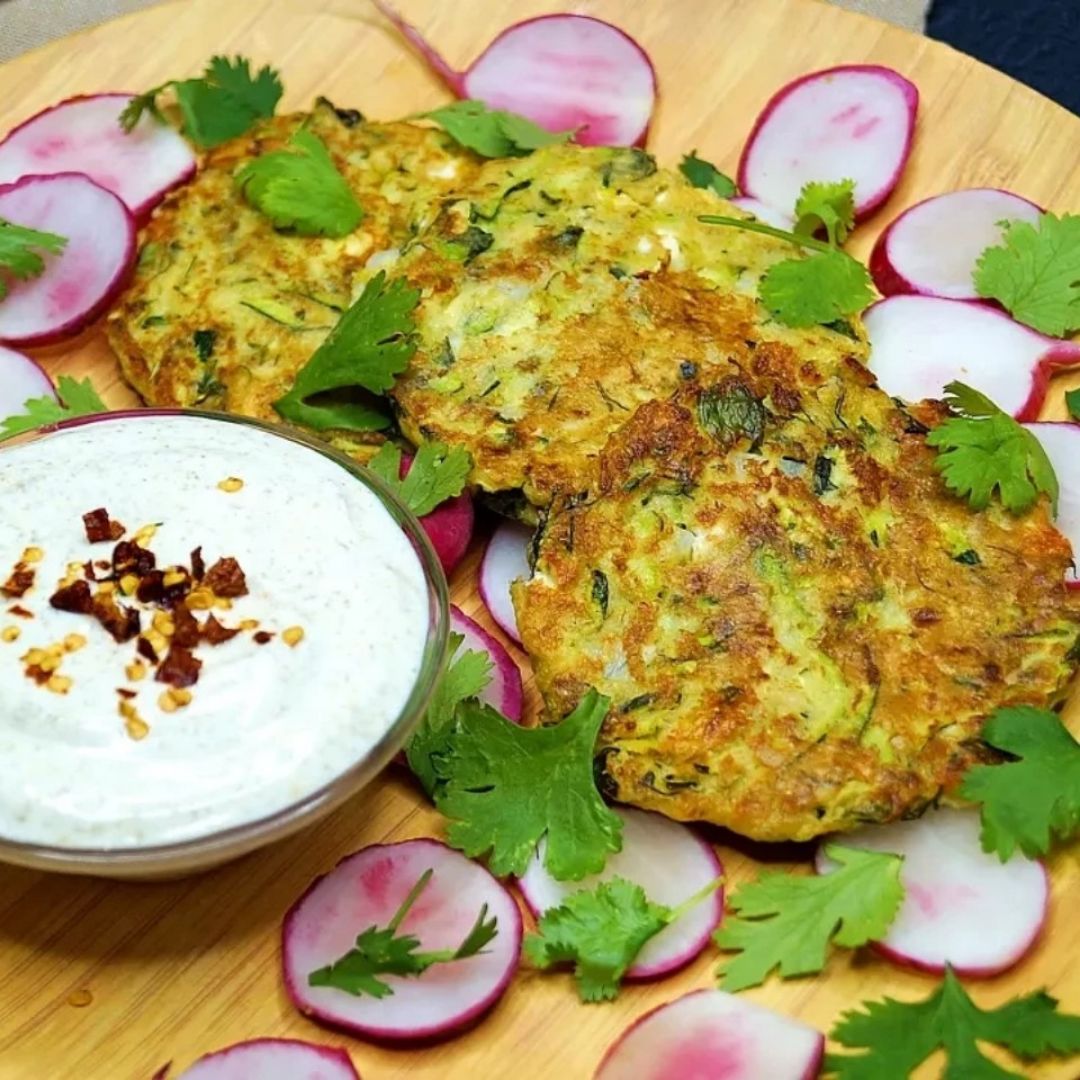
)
(176, 969)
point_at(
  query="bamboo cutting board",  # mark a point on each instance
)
(105, 981)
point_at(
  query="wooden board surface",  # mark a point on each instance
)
(103, 981)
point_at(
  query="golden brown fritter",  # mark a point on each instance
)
(799, 628)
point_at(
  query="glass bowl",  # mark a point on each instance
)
(179, 858)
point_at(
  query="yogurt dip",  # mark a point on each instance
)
(96, 755)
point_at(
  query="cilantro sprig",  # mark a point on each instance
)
(828, 205)
(786, 921)
(76, 399)
(437, 473)
(601, 930)
(1072, 403)
(387, 952)
(898, 1036)
(704, 174)
(982, 450)
(1035, 797)
(21, 252)
(493, 133)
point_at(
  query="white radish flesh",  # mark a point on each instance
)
(932, 249)
(505, 691)
(1061, 441)
(671, 863)
(367, 889)
(854, 122)
(505, 561)
(20, 380)
(763, 212)
(919, 344)
(962, 907)
(564, 72)
(78, 284)
(83, 135)
(272, 1059)
(713, 1035)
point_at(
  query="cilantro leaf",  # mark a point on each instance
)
(386, 952)
(493, 133)
(829, 206)
(984, 449)
(1035, 273)
(260, 93)
(703, 174)
(504, 787)
(821, 288)
(787, 921)
(20, 252)
(76, 399)
(372, 342)
(438, 473)
(899, 1036)
(301, 189)
(1072, 403)
(1027, 801)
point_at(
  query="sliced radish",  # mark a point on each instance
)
(564, 72)
(962, 907)
(919, 344)
(505, 691)
(449, 526)
(931, 249)
(83, 135)
(1061, 441)
(20, 380)
(713, 1035)
(79, 283)
(853, 122)
(671, 863)
(763, 212)
(367, 889)
(272, 1059)
(505, 561)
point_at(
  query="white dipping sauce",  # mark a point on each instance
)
(268, 724)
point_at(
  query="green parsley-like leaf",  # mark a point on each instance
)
(820, 288)
(1035, 273)
(76, 399)
(370, 345)
(504, 787)
(300, 189)
(438, 473)
(1072, 403)
(984, 449)
(703, 174)
(786, 921)
(1028, 801)
(493, 133)
(898, 1036)
(829, 206)
(20, 252)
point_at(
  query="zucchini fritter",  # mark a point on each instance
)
(800, 629)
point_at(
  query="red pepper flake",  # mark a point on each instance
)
(215, 633)
(88, 571)
(19, 583)
(263, 637)
(121, 622)
(151, 588)
(198, 564)
(176, 584)
(146, 650)
(20, 611)
(100, 528)
(186, 632)
(226, 579)
(129, 558)
(38, 674)
(180, 668)
(75, 597)
(126, 694)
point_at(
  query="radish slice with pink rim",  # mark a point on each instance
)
(919, 344)
(564, 72)
(505, 691)
(83, 135)
(853, 122)
(709, 1034)
(505, 561)
(931, 249)
(20, 380)
(763, 212)
(671, 863)
(271, 1059)
(79, 283)
(449, 526)
(1061, 441)
(962, 907)
(367, 889)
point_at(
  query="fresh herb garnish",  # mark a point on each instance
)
(983, 449)
(703, 174)
(76, 399)
(829, 206)
(371, 343)
(20, 252)
(300, 189)
(1072, 403)
(601, 931)
(1035, 797)
(786, 921)
(438, 472)
(504, 787)
(1035, 273)
(221, 105)
(493, 133)
(898, 1036)
(386, 952)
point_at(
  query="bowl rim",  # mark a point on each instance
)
(235, 840)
